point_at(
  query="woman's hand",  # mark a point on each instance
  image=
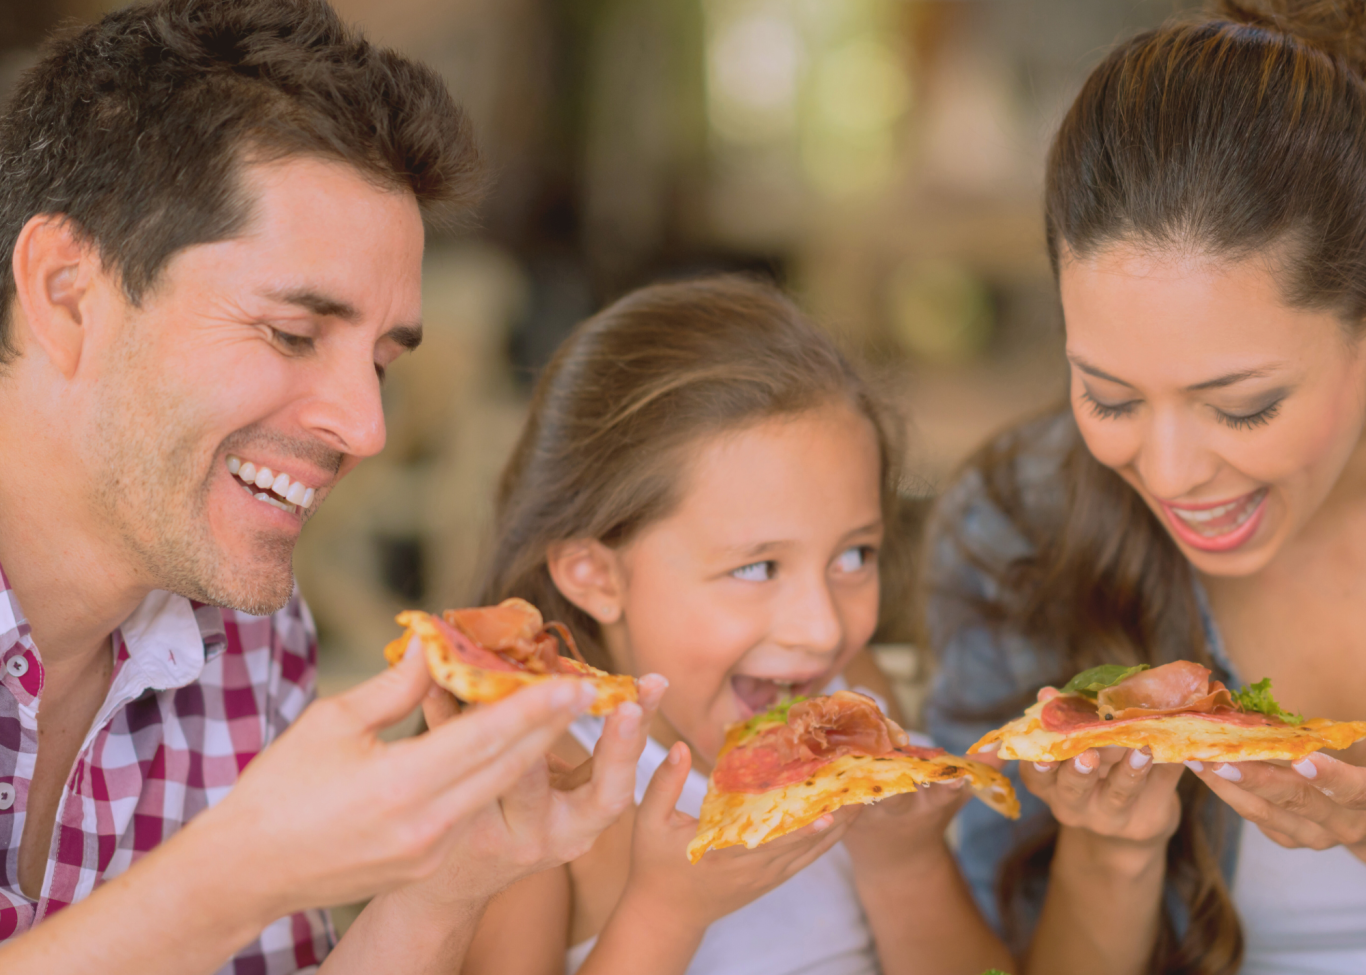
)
(1319, 802)
(723, 881)
(1115, 793)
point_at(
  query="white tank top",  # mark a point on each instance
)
(1303, 911)
(811, 925)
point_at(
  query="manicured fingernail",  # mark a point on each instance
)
(824, 823)
(1043, 766)
(1195, 766)
(629, 721)
(1306, 767)
(1138, 759)
(1229, 772)
(988, 748)
(1083, 769)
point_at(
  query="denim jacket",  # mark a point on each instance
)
(982, 666)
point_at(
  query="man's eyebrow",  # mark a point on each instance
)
(321, 305)
(408, 336)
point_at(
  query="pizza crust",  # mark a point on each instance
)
(733, 818)
(476, 684)
(1173, 738)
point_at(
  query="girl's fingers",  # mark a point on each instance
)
(666, 785)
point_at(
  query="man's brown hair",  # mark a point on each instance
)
(136, 128)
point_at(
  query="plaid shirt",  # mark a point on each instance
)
(196, 693)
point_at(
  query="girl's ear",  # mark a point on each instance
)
(588, 574)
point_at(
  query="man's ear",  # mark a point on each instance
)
(53, 269)
(589, 575)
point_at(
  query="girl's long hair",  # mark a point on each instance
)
(634, 387)
(1240, 134)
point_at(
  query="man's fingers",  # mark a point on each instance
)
(530, 720)
(439, 706)
(614, 762)
(388, 698)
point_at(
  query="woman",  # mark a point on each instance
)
(1204, 498)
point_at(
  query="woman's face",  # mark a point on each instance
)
(764, 580)
(1230, 413)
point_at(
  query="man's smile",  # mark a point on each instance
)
(273, 487)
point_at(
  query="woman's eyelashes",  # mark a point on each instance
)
(1107, 411)
(1249, 420)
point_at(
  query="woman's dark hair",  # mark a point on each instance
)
(1240, 134)
(624, 398)
(136, 127)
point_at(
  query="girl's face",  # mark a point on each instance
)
(1230, 413)
(764, 580)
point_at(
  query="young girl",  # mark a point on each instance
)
(1204, 498)
(700, 492)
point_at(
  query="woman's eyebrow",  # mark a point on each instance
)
(1096, 371)
(1218, 382)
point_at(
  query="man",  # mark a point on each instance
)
(212, 212)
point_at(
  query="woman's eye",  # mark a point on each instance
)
(756, 571)
(856, 558)
(294, 344)
(1107, 411)
(1247, 422)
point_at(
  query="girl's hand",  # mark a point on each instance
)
(1319, 802)
(723, 880)
(899, 829)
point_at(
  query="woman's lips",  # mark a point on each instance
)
(1218, 527)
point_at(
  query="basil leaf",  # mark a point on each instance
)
(774, 715)
(1090, 682)
(1258, 698)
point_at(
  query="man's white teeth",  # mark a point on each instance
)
(276, 487)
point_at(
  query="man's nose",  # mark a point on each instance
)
(808, 619)
(346, 410)
(1174, 459)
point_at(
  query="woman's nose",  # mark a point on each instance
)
(1173, 459)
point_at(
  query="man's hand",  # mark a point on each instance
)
(1318, 803)
(330, 814)
(552, 814)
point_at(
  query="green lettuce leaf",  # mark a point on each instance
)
(1091, 682)
(1258, 698)
(774, 715)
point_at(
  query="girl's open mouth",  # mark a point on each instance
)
(757, 694)
(1219, 527)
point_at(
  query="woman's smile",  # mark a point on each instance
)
(1220, 526)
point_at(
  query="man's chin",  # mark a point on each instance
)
(260, 592)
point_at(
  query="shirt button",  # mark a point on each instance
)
(17, 666)
(6, 795)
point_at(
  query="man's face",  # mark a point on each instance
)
(261, 352)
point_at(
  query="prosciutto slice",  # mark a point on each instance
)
(512, 629)
(1174, 688)
(818, 731)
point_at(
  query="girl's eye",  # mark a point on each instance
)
(1260, 418)
(756, 571)
(291, 343)
(1107, 411)
(856, 558)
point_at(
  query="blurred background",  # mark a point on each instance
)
(880, 158)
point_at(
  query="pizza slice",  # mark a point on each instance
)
(489, 652)
(1175, 710)
(786, 768)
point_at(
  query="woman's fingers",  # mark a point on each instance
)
(1279, 800)
(1076, 779)
(1126, 779)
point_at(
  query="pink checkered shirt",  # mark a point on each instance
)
(196, 693)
